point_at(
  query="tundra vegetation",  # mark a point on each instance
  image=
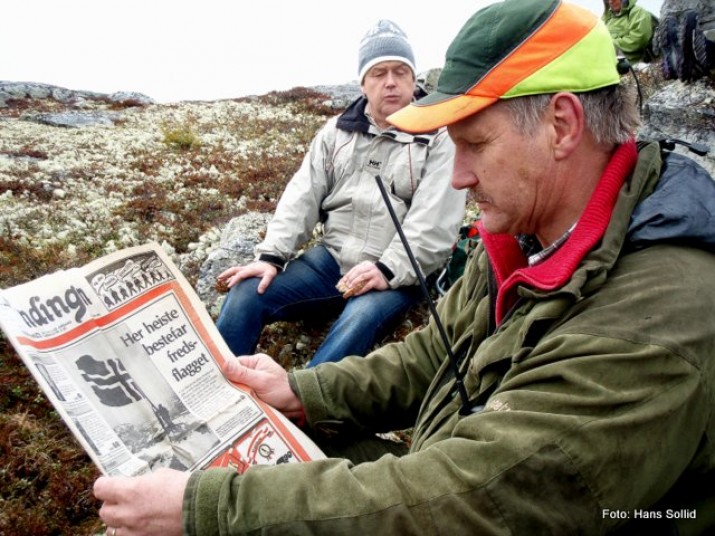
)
(167, 173)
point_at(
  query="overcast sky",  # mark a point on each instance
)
(213, 49)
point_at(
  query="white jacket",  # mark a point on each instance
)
(336, 185)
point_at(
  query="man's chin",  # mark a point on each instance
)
(492, 225)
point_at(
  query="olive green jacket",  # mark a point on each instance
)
(591, 403)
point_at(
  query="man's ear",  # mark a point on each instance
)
(568, 122)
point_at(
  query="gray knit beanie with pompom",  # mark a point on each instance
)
(384, 42)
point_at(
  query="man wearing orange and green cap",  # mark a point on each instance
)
(581, 330)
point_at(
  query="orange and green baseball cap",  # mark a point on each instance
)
(512, 49)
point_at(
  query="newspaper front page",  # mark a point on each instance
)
(126, 352)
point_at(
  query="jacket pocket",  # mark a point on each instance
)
(404, 170)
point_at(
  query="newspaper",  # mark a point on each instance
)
(126, 352)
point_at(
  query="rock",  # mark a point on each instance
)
(131, 98)
(238, 239)
(428, 79)
(684, 111)
(26, 91)
(74, 119)
(37, 91)
(340, 95)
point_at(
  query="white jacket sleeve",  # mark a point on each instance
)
(298, 209)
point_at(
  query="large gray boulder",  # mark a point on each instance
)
(685, 111)
(238, 239)
(341, 95)
(74, 119)
(37, 91)
(10, 91)
(705, 9)
(427, 80)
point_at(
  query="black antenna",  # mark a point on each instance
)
(624, 67)
(669, 144)
(466, 406)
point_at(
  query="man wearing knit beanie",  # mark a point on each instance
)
(359, 273)
(384, 42)
(386, 70)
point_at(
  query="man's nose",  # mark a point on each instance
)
(462, 174)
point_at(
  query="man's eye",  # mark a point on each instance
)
(472, 147)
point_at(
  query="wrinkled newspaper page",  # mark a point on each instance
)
(128, 355)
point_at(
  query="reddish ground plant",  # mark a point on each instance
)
(155, 190)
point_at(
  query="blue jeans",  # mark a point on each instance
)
(306, 289)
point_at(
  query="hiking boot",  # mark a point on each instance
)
(704, 50)
(687, 67)
(668, 43)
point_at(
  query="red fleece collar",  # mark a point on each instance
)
(510, 264)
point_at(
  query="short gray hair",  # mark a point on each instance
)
(611, 113)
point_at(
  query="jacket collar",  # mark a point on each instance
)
(510, 264)
(354, 119)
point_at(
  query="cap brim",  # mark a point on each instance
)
(438, 110)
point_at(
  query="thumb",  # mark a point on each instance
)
(238, 373)
(106, 488)
(101, 488)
